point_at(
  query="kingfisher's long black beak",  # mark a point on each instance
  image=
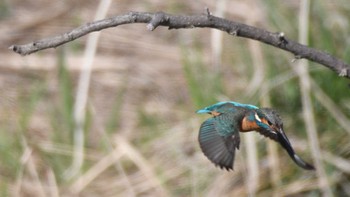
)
(283, 140)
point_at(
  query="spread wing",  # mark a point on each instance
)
(218, 140)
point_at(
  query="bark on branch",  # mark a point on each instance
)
(207, 20)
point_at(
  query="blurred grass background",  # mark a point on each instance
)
(140, 129)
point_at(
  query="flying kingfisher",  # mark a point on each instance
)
(219, 135)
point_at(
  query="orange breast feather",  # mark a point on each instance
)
(248, 125)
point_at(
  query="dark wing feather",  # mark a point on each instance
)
(218, 141)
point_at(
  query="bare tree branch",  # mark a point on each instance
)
(207, 20)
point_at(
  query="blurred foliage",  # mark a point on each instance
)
(4, 9)
(204, 83)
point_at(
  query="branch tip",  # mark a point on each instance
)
(157, 19)
(281, 38)
(281, 35)
(296, 57)
(150, 27)
(16, 49)
(343, 72)
(208, 12)
(13, 48)
(234, 32)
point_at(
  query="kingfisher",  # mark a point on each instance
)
(219, 135)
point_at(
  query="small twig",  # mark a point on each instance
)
(158, 19)
(282, 39)
(206, 20)
(208, 12)
(297, 57)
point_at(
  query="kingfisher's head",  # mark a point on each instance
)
(270, 125)
(267, 122)
(270, 120)
(263, 119)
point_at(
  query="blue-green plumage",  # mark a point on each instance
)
(219, 135)
(225, 106)
(216, 147)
